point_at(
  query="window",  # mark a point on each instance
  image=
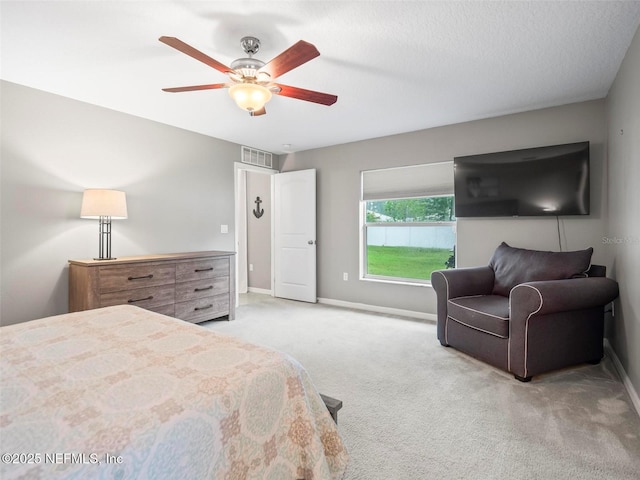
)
(408, 222)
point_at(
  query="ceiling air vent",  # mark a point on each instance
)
(259, 158)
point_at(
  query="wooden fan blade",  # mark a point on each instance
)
(291, 58)
(192, 88)
(197, 54)
(262, 111)
(307, 95)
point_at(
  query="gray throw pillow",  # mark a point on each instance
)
(513, 266)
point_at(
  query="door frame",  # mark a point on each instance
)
(241, 220)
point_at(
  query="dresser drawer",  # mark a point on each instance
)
(126, 277)
(140, 297)
(203, 309)
(201, 288)
(205, 268)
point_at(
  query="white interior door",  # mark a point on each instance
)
(295, 235)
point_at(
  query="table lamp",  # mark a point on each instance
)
(104, 205)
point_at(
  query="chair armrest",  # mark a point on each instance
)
(462, 282)
(458, 282)
(530, 301)
(552, 296)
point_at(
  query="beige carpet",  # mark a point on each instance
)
(416, 410)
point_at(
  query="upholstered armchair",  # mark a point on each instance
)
(527, 312)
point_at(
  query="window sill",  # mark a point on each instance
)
(399, 281)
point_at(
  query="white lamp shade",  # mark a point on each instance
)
(98, 203)
(250, 96)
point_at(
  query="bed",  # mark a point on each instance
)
(122, 392)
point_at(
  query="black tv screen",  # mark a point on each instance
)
(543, 181)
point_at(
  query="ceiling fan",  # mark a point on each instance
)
(251, 84)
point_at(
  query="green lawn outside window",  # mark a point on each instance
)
(406, 262)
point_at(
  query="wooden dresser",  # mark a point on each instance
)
(195, 286)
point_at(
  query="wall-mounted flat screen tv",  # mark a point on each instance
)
(543, 181)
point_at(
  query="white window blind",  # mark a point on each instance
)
(413, 181)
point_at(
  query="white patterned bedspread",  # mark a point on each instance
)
(121, 392)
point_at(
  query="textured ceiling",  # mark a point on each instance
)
(396, 66)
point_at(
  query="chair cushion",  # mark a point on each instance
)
(488, 313)
(513, 266)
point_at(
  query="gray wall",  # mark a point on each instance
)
(179, 188)
(622, 237)
(339, 170)
(259, 231)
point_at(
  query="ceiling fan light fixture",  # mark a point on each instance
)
(250, 96)
(251, 79)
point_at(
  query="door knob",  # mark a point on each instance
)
(311, 242)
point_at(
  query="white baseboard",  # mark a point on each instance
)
(431, 317)
(263, 291)
(623, 375)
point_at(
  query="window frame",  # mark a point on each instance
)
(364, 226)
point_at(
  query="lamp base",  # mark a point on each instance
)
(104, 246)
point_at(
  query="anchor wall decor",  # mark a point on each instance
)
(258, 212)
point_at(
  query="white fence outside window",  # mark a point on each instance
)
(431, 236)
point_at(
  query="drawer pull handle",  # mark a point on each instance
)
(150, 297)
(140, 278)
(204, 308)
(203, 269)
(203, 289)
